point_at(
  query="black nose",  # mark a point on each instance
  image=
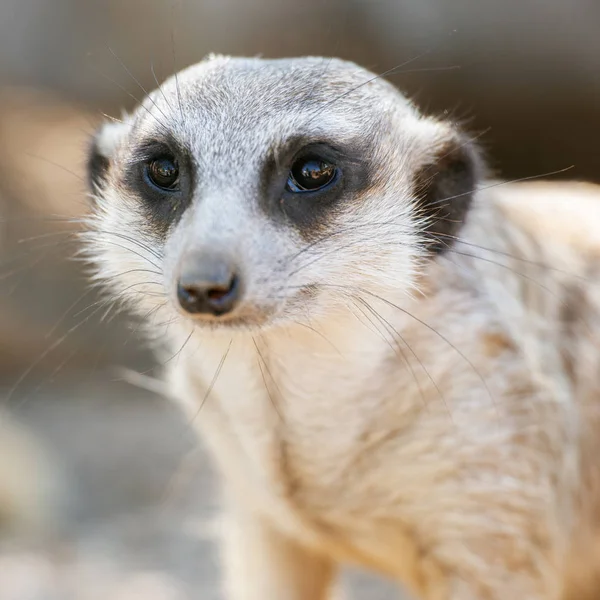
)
(207, 286)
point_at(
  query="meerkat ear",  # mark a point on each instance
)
(444, 188)
(101, 151)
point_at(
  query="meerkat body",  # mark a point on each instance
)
(390, 368)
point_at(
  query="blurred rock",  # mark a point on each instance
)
(29, 484)
(122, 536)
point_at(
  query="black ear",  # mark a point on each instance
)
(97, 165)
(444, 189)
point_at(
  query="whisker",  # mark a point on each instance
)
(468, 141)
(111, 307)
(426, 325)
(374, 328)
(126, 69)
(558, 299)
(55, 164)
(503, 266)
(143, 321)
(442, 337)
(145, 258)
(402, 227)
(328, 62)
(132, 96)
(176, 75)
(500, 183)
(318, 79)
(214, 381)
(123, 294)
(110, 117)
(260, 358)
(429, 69)
(70, 239)
(54, 372)
(41, 357)
(159, 86)
(334, 250)
(319, 333)
(15, 259)
(189, 337)
(398, 350)
(51, 218)
(165, 324)
(533, 263)
(389, 72)
(147, 247)
(66, 313)
(395, 332)
(369, 324)
(46, 235)
(338, 232)
(108, 303)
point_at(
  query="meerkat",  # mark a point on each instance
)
(392, 357)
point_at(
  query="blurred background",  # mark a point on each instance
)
(103, 491)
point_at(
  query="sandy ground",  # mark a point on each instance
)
(137, 514)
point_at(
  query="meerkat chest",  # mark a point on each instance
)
(352, 449)
(286, 423)
(291, 431)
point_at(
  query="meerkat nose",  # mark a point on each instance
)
(207, 285)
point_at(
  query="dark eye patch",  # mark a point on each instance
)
(291, 196)
(160, 173)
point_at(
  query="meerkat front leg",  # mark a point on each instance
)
(261, 563)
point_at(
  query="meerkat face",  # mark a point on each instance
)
(245, 193)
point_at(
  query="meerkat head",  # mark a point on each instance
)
(245, 193)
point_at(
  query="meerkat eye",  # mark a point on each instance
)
(163, 173)
(309, 174)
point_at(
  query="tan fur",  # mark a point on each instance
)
(438, 422)
(475, 494)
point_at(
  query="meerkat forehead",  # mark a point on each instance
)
(240, 95)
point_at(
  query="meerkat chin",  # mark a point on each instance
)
(393, 359)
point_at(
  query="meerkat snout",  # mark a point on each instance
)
(208, 284)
